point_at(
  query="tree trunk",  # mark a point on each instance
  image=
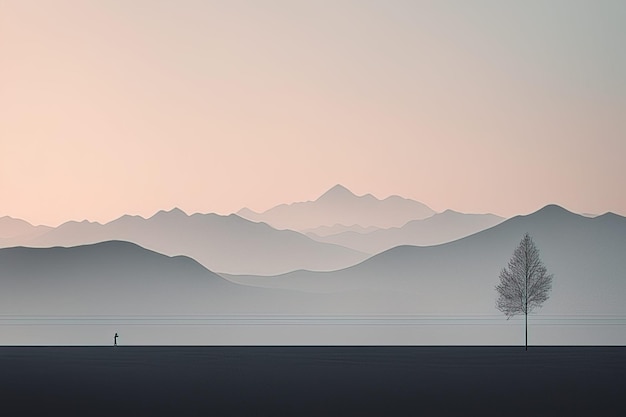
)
(526, 305)
(526, 325)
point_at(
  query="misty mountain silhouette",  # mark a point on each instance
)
(221, 243)
(338, 193)
(585, 254)
(340, 206)
(118, 278)
(439, 228)
(456, 278)
(12, 229)
(102, 278)
(323, 231)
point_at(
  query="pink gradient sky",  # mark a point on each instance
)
(113, 107)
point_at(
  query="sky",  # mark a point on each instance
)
(132, 106)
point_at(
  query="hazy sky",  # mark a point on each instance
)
(123, 106)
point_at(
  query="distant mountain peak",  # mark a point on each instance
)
(246, 212)
(609, 215)
(552, 209)
(338, 191)
(173, 212)
(339, 205)
(9, 219)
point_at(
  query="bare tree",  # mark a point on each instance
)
(524, 284)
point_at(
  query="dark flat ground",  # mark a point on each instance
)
(313, 381)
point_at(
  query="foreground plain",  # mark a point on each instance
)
(312, 381)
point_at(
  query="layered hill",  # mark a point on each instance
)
(340, 206)
(107, 277)
(121, 278)
(13, 230)
(323, 231)
(221, 243)
(407, 294)
(437, 229)
(586, 256)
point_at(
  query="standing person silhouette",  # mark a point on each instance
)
(115, 339)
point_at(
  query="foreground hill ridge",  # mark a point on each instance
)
(117, 277)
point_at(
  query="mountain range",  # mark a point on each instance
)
(585, 254)
(116, 277)
(12, 229)
(437, 229)
(340, 206)
(453, 267)
(234, 245)
(221, 243)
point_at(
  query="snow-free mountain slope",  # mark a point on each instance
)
(340, 206)
(586, 255)
(440, 228)
(119, 278)
(108, 277)
(221, 243)
(323, 231)
(393, 294)
(12, 229)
